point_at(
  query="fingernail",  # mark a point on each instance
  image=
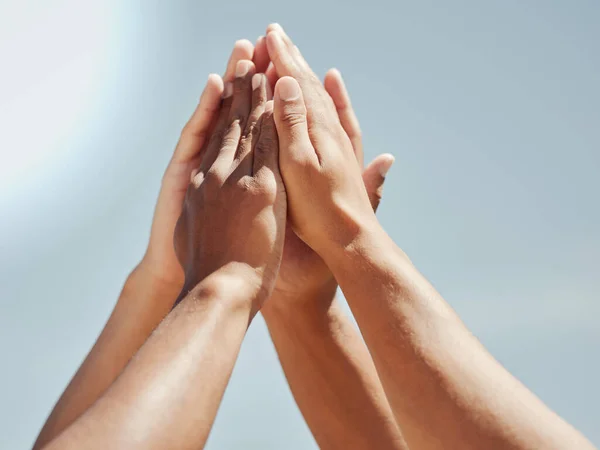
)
(385, 167)
(259, 39)
(256, 79)
(228, 90)
(288, 89)
(269, 106)
(242, 67)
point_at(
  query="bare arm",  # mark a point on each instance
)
(331, 375)
(121, 338)
(445, 388)
(446, 391)
(168, 395)
(325, 361)
(152, 288)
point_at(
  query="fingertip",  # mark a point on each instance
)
(257, 79)
(287, 89)
(269, 107)
(214, 82)
(227, 90)
(243, 67)
(244, 45)
(334, 72)
(385, 162)
(274, 27)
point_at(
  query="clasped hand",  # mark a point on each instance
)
(255, 150)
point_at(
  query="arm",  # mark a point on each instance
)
(331, 374)
(167, 397)
(151, 289)
(445, 390)
(324, 359)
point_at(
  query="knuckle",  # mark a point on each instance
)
(266, 188)
(229, 141)
(198, 179)
(214, 178)
(293, 118)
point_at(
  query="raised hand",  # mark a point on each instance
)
(233, 216)
(303, 273)
(327, 197)
(160, 261)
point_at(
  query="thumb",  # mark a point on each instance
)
(374, 177)
(289, 112)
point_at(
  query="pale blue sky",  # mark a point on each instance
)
(491, 108)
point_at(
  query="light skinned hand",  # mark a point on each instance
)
(234, 211)
(328, 202)
(302, 271)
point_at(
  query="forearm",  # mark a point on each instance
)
(331, 374)
(445, 389)
(142, 304)
(168, 395)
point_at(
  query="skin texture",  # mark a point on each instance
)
(321, 352)
(168, 395)
(153, 286)
(357, 411)
(445, 389)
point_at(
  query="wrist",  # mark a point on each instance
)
(142, 282)
(233, 286)
(156, 275)
(370, 254)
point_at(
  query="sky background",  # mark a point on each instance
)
(491, 108)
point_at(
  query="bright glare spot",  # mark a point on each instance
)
(53, 54)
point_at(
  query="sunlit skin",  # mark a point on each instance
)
(265, 206)
(153, 286)
(302, 314)
(445, 389)
(169, 393)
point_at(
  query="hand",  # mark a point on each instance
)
(327, 197)
(160, 261)
(234, 212)
(302, 271)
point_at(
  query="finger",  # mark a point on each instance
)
(266, 146)
(293, 50)
(238, 116)
(242, 92)
(261, 55)
(335, 86)
(242, 49)
(374, 177)
(244, 157)
(321, 111)
(292, 124)
(195, 132)
(214, 144)
(282, 58)
(271, 76)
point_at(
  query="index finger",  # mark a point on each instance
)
(242, 49)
